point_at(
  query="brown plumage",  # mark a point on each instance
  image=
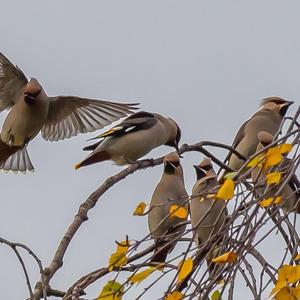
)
(169, 191)
(133, 138)
(57, 118)
(268, 118)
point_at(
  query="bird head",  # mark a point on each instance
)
(32, 91)
(276, 104)
(205, 169)
(175, 135)
(172, 163)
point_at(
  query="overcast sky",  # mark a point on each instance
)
(206, 64)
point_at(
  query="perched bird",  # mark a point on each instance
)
(133, 138)
(208, 215)
(168, 192)
(32, 111)
(268, 118)
(290, 192)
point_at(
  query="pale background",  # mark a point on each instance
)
(206, 64)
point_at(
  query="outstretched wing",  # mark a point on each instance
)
(12, 80)
(136, 122)
(69, 116)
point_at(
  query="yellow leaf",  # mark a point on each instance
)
(122, 247)
(297, 257)
(216, 295)
(273, 178)
(286, 275)
(288, 293)
(139, 210)
(269, 201)
(289, 273)
(226, 190)
(111, 291)
(285, 148)
(178, 211)
(228, 257)
(117, 259)
(138, 277)
(256, 161)
(174, 296)
(273, 157)
(185, 267)
(230, 175)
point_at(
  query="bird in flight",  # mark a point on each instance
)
(57, 118)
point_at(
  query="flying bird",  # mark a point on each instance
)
(57, 118)
(291, 190)
(268, 118)
(133, 138)
(208, 214)
(169, 191)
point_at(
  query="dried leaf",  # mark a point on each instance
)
(269, 201)
(273, 157)
(273, 178)
(216, 295)
(285, 148)
(174, 296)
(228, 257)
(113, 290)
(226, 191)
(178, 211)
(140, 276)
(185, 267)
(139, 210)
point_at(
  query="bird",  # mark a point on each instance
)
(268, 118)
(31, 111)
(169, 191)
(133, 138)
(291, 190)
(208, 214)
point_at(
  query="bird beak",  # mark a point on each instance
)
(287, 104)
(200, 173)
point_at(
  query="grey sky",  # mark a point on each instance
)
(206, 64)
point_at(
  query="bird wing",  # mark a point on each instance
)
(12, 79)
(136, 122)
(69, 116)
(238, 138)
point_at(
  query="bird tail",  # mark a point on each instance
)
(14, 158)
(161, 252)
(93, 158)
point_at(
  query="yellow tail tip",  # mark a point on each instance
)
(77, 166)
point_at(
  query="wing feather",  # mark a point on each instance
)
(12, 80)
(81, 115)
